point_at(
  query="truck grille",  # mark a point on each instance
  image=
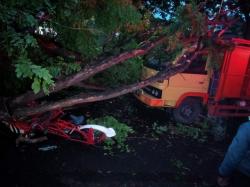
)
(155, 92)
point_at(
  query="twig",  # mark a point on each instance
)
(221, 5)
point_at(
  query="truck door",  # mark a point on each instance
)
(192, 81)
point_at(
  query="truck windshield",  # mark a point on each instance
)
(197, 66)
(154, 64)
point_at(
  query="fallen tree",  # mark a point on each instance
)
(192, 36)
(89, 71)
(181, 65)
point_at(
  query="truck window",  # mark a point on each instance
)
(198, 66)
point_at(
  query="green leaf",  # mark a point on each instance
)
(46, 87)
(36, 85)
(30, 20)
(23, 71)
(30, 41)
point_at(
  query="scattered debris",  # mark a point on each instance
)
(47, 148)
(22, 139)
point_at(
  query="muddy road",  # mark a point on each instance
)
(161, 153)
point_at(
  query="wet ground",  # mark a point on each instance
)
(179, 156)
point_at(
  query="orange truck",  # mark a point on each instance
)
(225, 92)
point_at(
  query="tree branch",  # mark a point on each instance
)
(182, 64)
(88, 71)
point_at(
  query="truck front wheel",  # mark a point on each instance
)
(188, 110)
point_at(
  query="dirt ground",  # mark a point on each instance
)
(178, 156)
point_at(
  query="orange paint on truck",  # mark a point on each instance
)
(225, 92)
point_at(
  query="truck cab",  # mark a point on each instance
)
(226, 91)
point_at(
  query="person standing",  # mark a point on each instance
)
(235, 167)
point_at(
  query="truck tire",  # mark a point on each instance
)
(188, 110)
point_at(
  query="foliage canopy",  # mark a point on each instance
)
(78, 25)
(48, 46)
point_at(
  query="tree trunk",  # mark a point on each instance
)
(83, 98)
(87, 72)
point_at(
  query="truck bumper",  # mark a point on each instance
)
(149, 100)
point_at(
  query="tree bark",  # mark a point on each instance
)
(87, 72)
